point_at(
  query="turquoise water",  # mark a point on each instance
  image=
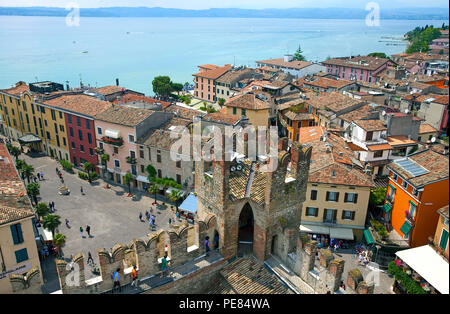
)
(137, 49)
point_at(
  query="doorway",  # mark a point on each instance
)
(246, 228)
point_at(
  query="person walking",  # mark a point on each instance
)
(88, 230)
(50, 206)
(134, 277)
(164, 265)
(116, 278)
(39, 176)
(81, 232)
(140, 217)
(207, 245)
(42, 175)
(81, 190)
(170, 221)
(53, 205)
(67, 223)
(57, 170)
(90, 258)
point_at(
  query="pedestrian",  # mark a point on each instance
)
(81, 232)
(50, 206)
(88, 230)
(170, 220)
(57, 170)
(150, 224)
(90, 258)
(154, 219)
(81, 189)
(53, 205)
(39, 176)
(60, 175)
(207, 245)
(42, 175)
(140, 216)
(146, 214)
(116, 278)
(134, 277)
(164, 265)
(62, 180)
(67, 223)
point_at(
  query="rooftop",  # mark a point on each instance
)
(82, 104)
(360, 62)
(108, 90)
(422, 168)
(127, 98)
(400, 140)
(18, 89)
(325, 82)
(370, 125)
(124, 115)
(298, 65)
(332, 101)
(444, 211)
(185, 113)
(222, 117)
(233, 75)
(247, 101)
(214, 73)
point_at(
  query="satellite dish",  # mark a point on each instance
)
(406, 110)
(433, 139)
(383, 113)
(239, 167)
(232, 169)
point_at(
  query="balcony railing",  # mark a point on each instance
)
(112, 141)
(329, 221)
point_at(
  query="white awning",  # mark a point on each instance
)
(142, 179)
(314, 229)
(112, 133)
(429, 265)
(341, 233)
(46, 235)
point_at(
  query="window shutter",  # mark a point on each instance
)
(14, 234)
(346, 197)
(355, 200)
(325, 214)
(334, 215)
(316, 212)
(328, 196)
(337, 196)
(353, 215)
(21, 255)
(343, 214)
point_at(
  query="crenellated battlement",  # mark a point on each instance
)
(182, 245)
(28, 283)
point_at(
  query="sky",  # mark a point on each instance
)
(246, 4)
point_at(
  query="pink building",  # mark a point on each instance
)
(440, 43)
(205, 81)
(117, 130)
(360, 68)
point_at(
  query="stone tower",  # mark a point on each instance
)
(227, 189)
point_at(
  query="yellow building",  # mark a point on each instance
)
(441, 235)
(337, 196)
(252, 106)
(23, 113)
(18, 250)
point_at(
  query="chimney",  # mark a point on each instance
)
(117, 82)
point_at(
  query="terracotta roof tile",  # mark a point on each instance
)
(426, 128)
(400, 140)
(82, 104)
(215, 73)
(124, 115)
(291, 64)
(370, 125)
(360, 62)
(325, 82)
(333, 101)
(222, 117)
(108, 90)
(247, 101)
(377, 147)
(17, 90)
(128, 97)
(185, 113)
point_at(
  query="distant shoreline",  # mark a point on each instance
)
(294, 13)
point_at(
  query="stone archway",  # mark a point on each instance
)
(246, 225)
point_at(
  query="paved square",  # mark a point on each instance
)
(112, 216)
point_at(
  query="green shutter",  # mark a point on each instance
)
(387, 208)
(406, 228)
(19, 233)
(21, 255)
(444, 239)
(368, 236)
(15, 236)
(392, 187)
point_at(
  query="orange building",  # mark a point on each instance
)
(295, 115)
(418, 187)
(205, 81)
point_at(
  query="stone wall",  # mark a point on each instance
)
(28, 283)
(142, 253)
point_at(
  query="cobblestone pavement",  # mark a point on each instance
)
(112, 216)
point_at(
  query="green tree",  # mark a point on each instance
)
(154, 189)
(59, 240)
(19, 164)
(104, 158)
(378, 54)
(27, 171)
(89, 168)
(151, 172)
(174, 196)
(15, 151)
(177, 87)
(51, 222)
(377, 196)
(127, 178)
(33, 191)
(298, 55)
(162, 86)
(221, 102)
(42, 210)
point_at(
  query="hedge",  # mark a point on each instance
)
(82, 175)
(379, 227)
(66, 165)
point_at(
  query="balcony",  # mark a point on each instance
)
(131, 160)
(112, 141)
(329, 222)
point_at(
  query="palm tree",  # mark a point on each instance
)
(42, 210)
(59, 240)
(104, 158)
(15, 151)
(89, 168)
(51, 222)
(19, 164)
(33, 191)
(174, 196)
(127, 180)
(27, 171)
(151, 171)
(154, 189)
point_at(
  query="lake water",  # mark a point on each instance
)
(135, 50)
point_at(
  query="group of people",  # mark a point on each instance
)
(88, 231)
(364, 255)
(332, 243)
(48, 250)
